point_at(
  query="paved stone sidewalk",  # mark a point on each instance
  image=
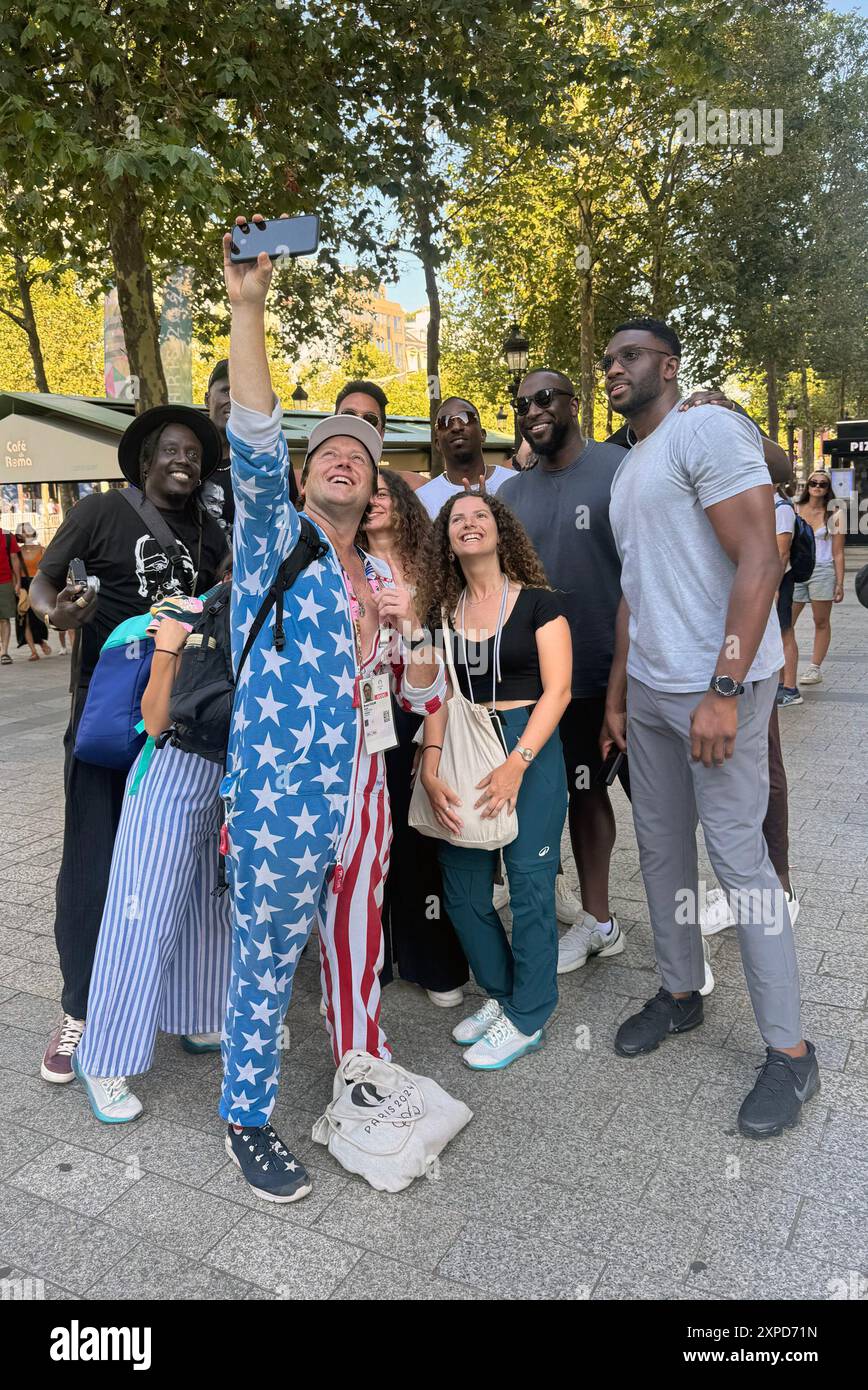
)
(582, 1175)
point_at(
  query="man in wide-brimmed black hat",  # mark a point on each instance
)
(144, 544)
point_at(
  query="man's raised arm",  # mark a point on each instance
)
(266, 523)
(247, 287)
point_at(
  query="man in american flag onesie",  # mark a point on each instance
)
(306, 805)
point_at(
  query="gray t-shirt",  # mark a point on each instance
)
(676, 576)
(566, 514)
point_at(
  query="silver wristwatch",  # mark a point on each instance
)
(527, 753)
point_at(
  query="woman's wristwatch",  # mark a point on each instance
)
(526, 753)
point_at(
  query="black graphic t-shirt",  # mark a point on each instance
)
(117, 547)
(219, 501)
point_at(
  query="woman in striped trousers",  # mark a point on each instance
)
(163, 955)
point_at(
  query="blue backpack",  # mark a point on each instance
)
(110, 732)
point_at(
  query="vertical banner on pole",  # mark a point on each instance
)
(176, 336)
(118, 383)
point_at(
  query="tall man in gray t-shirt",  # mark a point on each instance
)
(563, 504)
(693, 681)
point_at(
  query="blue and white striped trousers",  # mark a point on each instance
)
(164, 949)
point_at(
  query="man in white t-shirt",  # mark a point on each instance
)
(460, 436)
(693, 683)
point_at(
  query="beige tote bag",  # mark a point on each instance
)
(471, 749)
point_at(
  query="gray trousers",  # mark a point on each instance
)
(671, 794)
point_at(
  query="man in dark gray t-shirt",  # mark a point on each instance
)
(563, 504)
(565, 511)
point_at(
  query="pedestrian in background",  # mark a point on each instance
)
(826, 584)
(30, 630)
(10, 587)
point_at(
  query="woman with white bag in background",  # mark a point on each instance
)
(510, 651)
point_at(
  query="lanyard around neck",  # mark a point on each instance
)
(495, 677)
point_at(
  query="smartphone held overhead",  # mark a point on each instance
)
(282, 236)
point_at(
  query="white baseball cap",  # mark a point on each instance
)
(350, 425)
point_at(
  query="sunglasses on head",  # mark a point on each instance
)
(368, 415)
(542, 398)
(461, 417)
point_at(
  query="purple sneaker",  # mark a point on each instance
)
(57, 1059)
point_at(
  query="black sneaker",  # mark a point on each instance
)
(781, 1089)
(662, 1015)
(268, 1166)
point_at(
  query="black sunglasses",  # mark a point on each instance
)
(544, 397)
(461, 417)
(368, 415)
(821, 483)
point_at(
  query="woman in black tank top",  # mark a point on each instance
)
(512, 652)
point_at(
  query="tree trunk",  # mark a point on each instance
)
(28, 323)
(587, 380)
(138, 312)
(433, 337)
(842, 399)
(808, 429)
(586, 356)
(774, 422)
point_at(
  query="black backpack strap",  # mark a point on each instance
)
(158, 527)
(309, 547)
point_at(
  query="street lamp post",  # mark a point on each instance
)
(299, 397)
(790, 412)
(515, 350)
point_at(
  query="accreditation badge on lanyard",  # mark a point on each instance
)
(378, 717)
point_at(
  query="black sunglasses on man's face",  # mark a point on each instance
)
(368, 415)
(542, 398)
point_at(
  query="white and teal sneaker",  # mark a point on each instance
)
(111, 1100)
(200, 1042)
(501, 1044)
(471, 1029)
(585, 939)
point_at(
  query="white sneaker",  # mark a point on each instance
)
(585, 939)
(716, 914)
(500, 896)
(812, 676)
(110, 1098)
(471, 1029)
(501, 1044)
(446, 998)
(567, 905)
(200, 1042)
(708, 983)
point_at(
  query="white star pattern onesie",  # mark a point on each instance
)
(306, 806)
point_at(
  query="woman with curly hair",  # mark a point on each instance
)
(417, 934)
(511, 651)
